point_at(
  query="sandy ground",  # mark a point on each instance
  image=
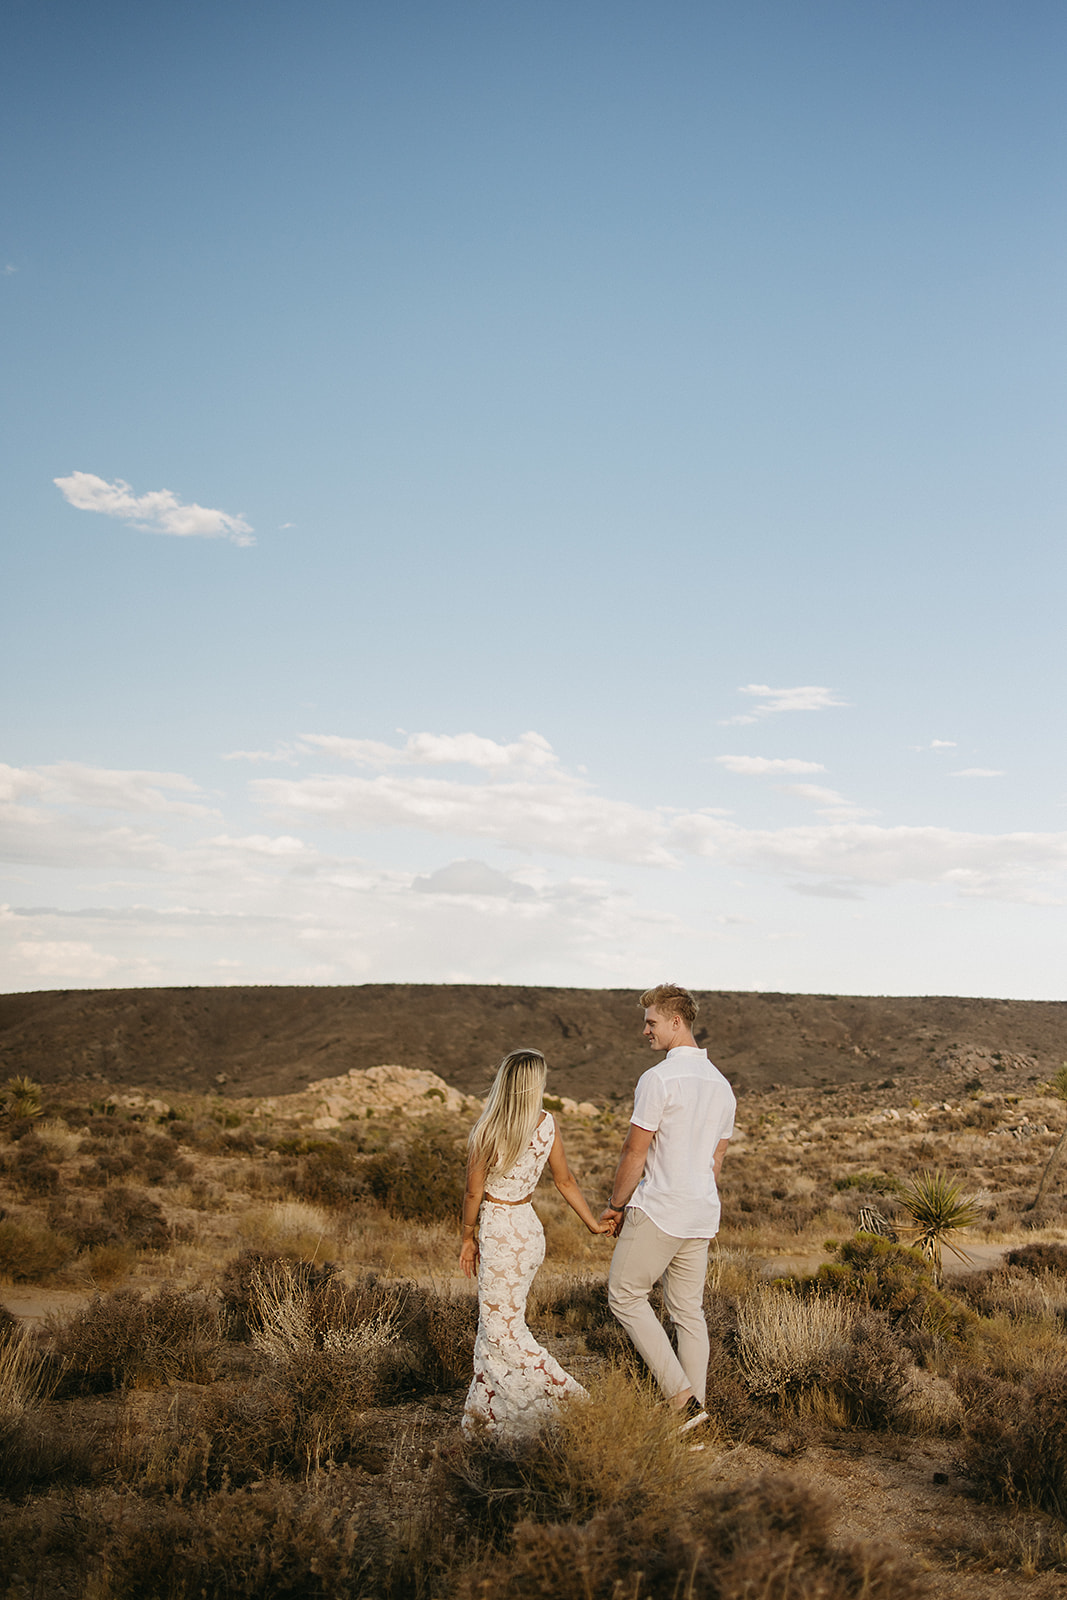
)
(885, 1494)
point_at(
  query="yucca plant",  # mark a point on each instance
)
(938, 1208)
(23, 1097)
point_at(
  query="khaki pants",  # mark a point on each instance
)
(644, 1255)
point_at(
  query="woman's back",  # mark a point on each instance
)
(521, 1177)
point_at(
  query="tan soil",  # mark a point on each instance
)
(884, 1494)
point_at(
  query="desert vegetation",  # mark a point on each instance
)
(235, 1350)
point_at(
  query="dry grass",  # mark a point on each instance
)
(279, 1418)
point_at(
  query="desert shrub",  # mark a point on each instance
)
(35, 1447)
(59, 1140)
(30, 1252)
(236, 1285)
(1039, 1258)
(240, 1142)
(1016, 1293)
(328, 1174)
(578, 1303)
(123, 1337)
(387, 1338)
(230, 1435)
(869, 1183)
(615, 1450)
(125, 1218)
(121, 1152)
(139, 1219)
(30, 1168)
(421, 1180)
(770, 1538)
(1013, 1445)
(789, 1347)
(890, 1279)
(271, 1542)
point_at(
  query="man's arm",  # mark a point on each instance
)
(628, 1172)
(720, 1151)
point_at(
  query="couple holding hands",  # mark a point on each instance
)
(663, 1210)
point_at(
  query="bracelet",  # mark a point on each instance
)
(611, 1206)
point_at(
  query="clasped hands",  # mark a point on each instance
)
(613, 1221)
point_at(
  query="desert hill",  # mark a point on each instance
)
(271, 1040)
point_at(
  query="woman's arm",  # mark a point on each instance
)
(563, 1178)
(472, 1203)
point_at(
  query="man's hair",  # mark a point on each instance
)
(673, 1001)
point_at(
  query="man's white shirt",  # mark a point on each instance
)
(688, 1106)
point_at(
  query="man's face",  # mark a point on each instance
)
(660, 1030)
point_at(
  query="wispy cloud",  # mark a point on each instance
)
(767, 766)
(827, 802)
(113, 789)
(439, 749)
(977, 772)
(825, 891)
(474, 878)
(806, 697)
(1008, 865)
(283, 753)
(158, 511)
(560, 815)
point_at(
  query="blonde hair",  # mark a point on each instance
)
(512, 1110)
(673, 1001)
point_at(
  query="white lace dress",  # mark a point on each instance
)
(515, 1380)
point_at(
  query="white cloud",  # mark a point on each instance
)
(283, 753)
(158, 511)
(561, 816)
(977, 772)
(474, 878)
(530, 750)
(1011, 864)
(113, 789)
(942, 744)
(55, 830)
(825, 891)
(15, 782)
(759, 766)
(827, 801)
(73, 960)
(806, 697)
(262, 844)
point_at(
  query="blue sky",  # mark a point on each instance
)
(559, 494)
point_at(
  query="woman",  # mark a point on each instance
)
(515, 1380)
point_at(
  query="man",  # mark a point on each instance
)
(664, 1201)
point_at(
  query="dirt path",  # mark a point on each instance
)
(33, 1304)
(983, 1258)
(884, 1493)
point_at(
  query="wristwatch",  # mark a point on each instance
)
(611, 1206)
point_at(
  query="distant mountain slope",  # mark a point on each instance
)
(269, 1040)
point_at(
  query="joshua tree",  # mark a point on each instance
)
(1037, 1211)
(938, 1207)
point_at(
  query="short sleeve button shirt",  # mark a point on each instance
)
(688, 1105)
